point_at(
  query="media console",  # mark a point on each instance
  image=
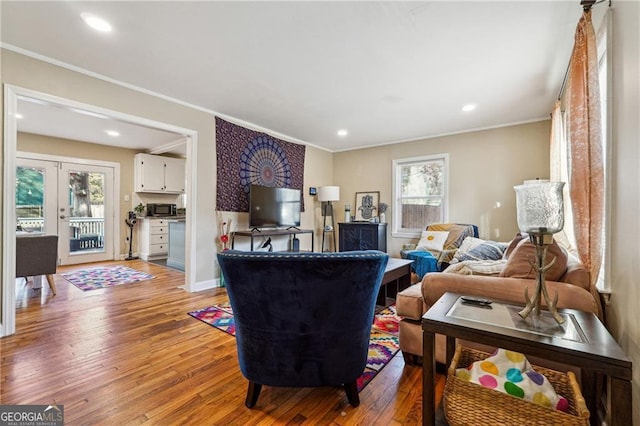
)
(270, 233)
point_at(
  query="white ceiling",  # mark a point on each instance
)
(385, 71)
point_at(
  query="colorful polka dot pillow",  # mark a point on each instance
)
(511, 373)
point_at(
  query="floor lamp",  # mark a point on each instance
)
(327, 194)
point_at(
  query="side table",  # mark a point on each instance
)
(582, 341)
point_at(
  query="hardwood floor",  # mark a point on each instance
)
(131, 355)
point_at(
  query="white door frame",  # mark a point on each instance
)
(11, 95)
(112, 245)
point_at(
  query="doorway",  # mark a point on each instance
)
(71, 199)
(12, 95)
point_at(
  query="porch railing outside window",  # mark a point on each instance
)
(81, 227)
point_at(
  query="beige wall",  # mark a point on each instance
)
(623, 314)
(32, 74)
(39, 144)
(483, 168)
(39, 76)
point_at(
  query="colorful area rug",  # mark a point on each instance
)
(103, 277)
(383, 345)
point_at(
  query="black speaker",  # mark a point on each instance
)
(295, 244)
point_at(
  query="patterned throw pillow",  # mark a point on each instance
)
(477, 249)
(432, 240)
(510, 372)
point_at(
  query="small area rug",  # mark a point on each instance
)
(383, 345)
(105, 276)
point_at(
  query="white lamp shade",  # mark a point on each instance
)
(329, 193)
(540, 207)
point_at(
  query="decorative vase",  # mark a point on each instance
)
(383, 218)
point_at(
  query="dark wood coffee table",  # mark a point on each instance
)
(582, 341)
(397, 277)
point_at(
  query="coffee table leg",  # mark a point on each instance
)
(428, 378)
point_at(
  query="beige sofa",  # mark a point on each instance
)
(573, 289)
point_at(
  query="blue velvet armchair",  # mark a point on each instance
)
(302, 319)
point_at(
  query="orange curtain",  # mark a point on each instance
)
(585, 142)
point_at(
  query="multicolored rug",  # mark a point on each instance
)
(105, 276)
(383, 344)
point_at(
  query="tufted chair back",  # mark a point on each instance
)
(302, 319)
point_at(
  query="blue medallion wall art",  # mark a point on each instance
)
(245, 157)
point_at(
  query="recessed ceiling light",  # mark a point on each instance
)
(469, 107)
(342, 132)
(19, 116)
(112, 133)
(95, 22)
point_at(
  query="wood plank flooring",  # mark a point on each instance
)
(131, 355)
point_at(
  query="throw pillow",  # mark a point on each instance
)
(477, 267)
(432, 240)
(514, 243)
(478, 249)
(519, 266)
(510, 372)
(457, 233)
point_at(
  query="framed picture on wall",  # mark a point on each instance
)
(367, 205)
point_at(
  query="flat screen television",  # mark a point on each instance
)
(271, 207)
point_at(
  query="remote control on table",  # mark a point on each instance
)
(476, 300)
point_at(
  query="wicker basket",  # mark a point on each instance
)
(467, 403)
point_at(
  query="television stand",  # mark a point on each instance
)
(292, 231)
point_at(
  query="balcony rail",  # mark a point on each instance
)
(81, 227)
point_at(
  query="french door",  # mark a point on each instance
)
(71, 200)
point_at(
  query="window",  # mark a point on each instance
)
(420, 193)
(604, 70)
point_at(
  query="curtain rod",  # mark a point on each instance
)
(586, 5)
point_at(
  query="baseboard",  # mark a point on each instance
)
(206, 285)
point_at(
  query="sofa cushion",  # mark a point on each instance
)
(519, 266)
(576, 273)
(409, 302)
(478, 249)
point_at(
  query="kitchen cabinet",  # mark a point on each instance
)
(156, 173)
(363, 236)
(153, 238)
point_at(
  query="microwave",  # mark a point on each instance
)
(155, 209)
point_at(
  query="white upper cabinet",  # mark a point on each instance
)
(155, 173)
(174, 175)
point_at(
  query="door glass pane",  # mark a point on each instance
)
(86, 211)
(30, 199)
